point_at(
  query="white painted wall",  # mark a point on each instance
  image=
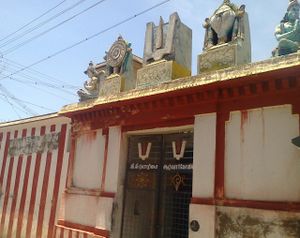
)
(104, 212)
(204, 155)
(113, 159)
(261, 163)
(205, 215)
(80, 209)
(88, 162)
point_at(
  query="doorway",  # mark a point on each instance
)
(158, 186)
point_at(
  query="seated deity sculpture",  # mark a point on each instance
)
(287, 32)
(225, 25)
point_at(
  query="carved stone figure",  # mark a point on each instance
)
(227, 38)
(167, 52)
(225, 25)
(118, 68)
(92, 85)
(117, 57)
(169, 41)
(288, 31)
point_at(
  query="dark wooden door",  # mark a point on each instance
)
(158, 186)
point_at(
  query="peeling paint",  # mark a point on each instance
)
(244, 120)
(243, 225)
(33, 144)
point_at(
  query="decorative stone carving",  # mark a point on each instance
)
(167, 42)
(117, 57)
(118, 61)
(91, 86)
(228, 28)
(288, 31)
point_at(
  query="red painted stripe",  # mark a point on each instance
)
(4, 158)
(44, 192)
(1, 138)
(85, 235)
(16, 191)
(15, 196)
(59, 164)
(24, 192)
(34, 189)
(7, 190)
(84, 228)
(61, 233)
(219, 192)
(104, 161)
(70, 234)
(77, 234)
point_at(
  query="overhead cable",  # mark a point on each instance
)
(40, 74)
(5, 52)
(11, 96)
(87, 39)
(35, 19)
(17, 37)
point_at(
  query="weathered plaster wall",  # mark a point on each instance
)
(88, 162)
(261, 163)
(113, 159)
(33, 166)
(204, 155)
(205, 215)
(245, 222)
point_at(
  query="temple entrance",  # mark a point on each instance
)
(158, 186)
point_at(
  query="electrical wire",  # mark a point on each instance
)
(17, 37)
(11, 96)
(12, 49)
(40, 74)
(30, 103)
(12, 106)
(37, 81)
(87, 39)
(35, 19)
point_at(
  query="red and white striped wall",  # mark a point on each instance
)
(31, 184)
(63, 232)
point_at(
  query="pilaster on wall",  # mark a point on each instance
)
(204, 155)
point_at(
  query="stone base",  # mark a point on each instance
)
(160, 72)
(112, 85)
(223, 56)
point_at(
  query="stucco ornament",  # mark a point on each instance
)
(92, 85)
(117, 60)
(117, 57)
(225, 25)
(288, 31)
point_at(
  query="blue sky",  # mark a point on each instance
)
(68, 66)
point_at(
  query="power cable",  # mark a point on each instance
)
(37, 81)
(40, 74)
(35, 19)
(40, 89)
(11, 96)
(12, 106)
(41, 24)
(27, 102)
(50, 29)
(86, 39)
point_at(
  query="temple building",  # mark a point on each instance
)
(151, 151)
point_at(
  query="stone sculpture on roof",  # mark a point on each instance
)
(288, 31)
(167, 52)
(227, 38)
(92, 85)
(118, 61)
